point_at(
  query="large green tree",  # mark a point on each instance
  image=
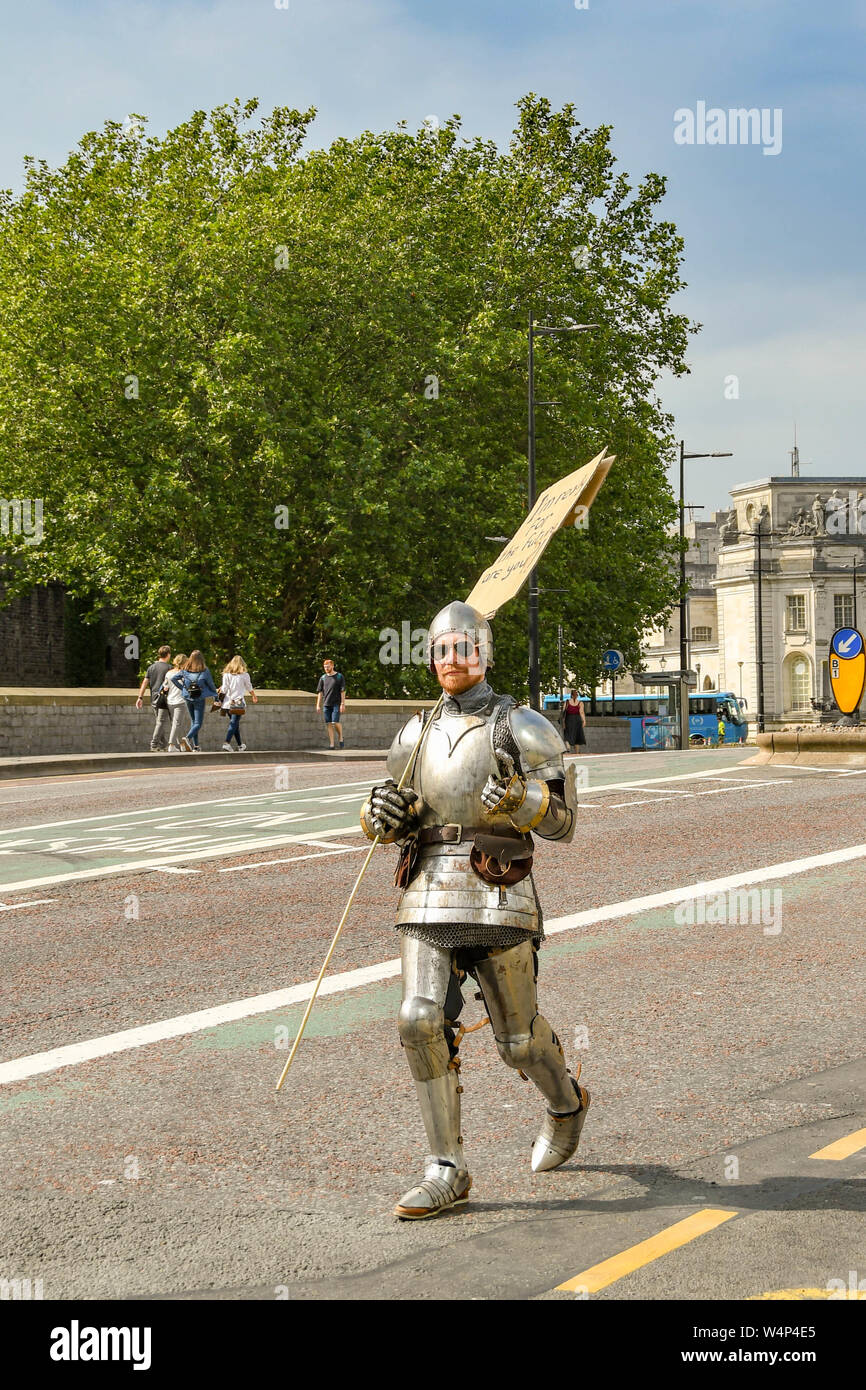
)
(274, 397)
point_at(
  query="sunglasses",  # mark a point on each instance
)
(463, 650)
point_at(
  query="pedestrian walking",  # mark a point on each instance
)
(176, 704)
(235, 686)
(154, 680)
(196, 682)
(331, 699)
(574, 723)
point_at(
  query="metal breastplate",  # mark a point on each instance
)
(455, 762)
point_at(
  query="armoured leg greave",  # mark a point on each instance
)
(422, 1031)
(527, 1042)
(524, 1037)
(538, 1054)
(427, 977)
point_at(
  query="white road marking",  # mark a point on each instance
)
(34, 902)
(215, 852)
(648, 781)
(805, 767)
(174, 869)
(298, 792)
(266, 863)
(644, 801)
(713, 791)
(72, 1054)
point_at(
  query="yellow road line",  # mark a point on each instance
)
(845, 1147)
(600, 1275)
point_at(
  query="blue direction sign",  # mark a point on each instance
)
(846, 642)
(612, 660)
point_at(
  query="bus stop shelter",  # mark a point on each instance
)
(677, 684)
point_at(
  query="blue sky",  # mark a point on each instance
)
(774, 244)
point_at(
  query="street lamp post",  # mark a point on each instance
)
(758, 532)
(740, 664)
(534, 332)
(683, 632)
(559, 646)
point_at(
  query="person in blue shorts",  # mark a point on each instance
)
(331, 698)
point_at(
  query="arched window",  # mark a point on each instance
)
(799, 673)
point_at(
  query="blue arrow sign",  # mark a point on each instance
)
(847, 642)
(612, 660)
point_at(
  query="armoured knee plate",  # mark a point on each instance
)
(421, 1024)
(538, 1055)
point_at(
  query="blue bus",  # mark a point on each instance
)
(652, 725)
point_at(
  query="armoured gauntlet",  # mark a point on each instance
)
(389, 812)
(529, 803)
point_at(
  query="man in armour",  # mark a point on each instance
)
(489, 774)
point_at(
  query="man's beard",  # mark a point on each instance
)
(455, 682)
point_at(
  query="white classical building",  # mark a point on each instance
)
(813, 535)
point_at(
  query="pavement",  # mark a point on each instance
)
(703, 962)
(72, 764)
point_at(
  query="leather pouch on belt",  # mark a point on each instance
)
(498, 860)
(407, 863)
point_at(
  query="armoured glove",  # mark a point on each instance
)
(389, 811)
(502, 795)
(524, 801)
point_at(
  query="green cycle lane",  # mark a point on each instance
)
(61, 851)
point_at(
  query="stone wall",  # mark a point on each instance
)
(41, 722)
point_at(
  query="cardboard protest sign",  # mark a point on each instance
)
(562, 504)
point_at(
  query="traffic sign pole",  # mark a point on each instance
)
(847, 670)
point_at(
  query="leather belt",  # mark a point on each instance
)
(457, 834)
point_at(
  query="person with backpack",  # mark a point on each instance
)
(196, 682)
(234, 688)
(154, 679)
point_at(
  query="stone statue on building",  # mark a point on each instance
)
(728, 531)
(763, 514)
(799, 525)
(837, 514)
(818, 521)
